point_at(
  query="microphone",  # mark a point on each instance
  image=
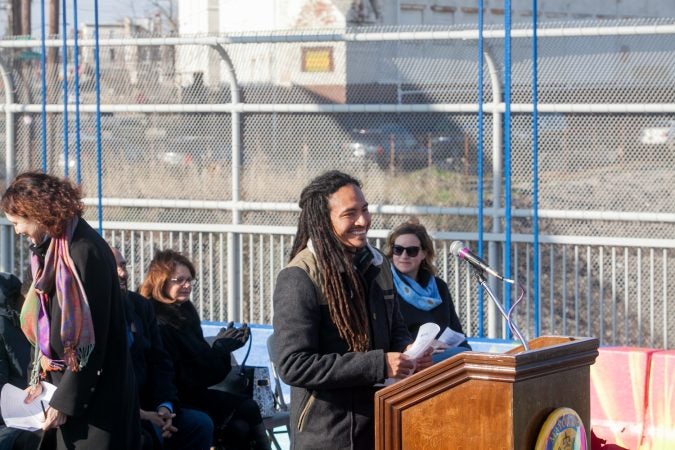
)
(458, 249)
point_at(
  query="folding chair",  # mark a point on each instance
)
(282, 416)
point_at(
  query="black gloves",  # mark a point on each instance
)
(229, 339)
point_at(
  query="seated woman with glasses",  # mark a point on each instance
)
(423, 297)
(197, 365)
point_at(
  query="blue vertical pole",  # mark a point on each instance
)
(535, 169)
(479, 164)
(64, 52)
(43, 61)
(97, 75)
(76, 64)
(507, 152)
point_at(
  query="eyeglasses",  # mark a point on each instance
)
(181, 281)
(411, 251)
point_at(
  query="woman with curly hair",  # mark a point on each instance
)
(73, 317)
(197, 365)
(423, 296)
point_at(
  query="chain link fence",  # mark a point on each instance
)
(201, 125)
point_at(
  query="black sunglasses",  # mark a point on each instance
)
(411, 251)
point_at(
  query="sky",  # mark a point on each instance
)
(109, 11)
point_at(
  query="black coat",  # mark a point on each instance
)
(197, 365)
(152, 364)
(15, 350)
(444, 315)
(100, 400)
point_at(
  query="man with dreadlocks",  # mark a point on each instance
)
(337, 326)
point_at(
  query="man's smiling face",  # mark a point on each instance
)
(350, 216)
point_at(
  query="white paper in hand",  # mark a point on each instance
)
(425, 336)
(451, 338)
(25, 416)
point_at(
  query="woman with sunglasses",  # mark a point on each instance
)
(197, 365)
(423, 296)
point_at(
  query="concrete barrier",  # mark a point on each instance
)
(659, 429)
(619, 380)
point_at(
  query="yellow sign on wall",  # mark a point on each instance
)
(317, 59)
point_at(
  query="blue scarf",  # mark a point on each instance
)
(423, 298)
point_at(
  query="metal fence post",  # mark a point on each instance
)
(6, 240)
(493, 252)
(233, 247)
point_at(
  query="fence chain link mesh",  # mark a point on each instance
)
(424, 156)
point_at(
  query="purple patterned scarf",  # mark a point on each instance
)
(58, 273)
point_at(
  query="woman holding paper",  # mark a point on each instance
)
(423, 296)
(73, 317)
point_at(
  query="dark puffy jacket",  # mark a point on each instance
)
(332, 389)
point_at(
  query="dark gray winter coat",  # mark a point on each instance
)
(332, 388)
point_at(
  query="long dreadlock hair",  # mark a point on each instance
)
(339, 281)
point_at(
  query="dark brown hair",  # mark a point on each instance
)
(48, 200)
(160, 271)
(413, 226)
(340, 283)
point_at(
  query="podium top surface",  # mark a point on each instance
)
(547, 355)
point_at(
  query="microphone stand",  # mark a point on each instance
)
(480, 276)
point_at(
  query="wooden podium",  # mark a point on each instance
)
(487, 401)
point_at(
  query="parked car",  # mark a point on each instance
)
(71, 161)
(387, 143)
(450, 148)
(122, 140)
(660, 133)
(200, 152)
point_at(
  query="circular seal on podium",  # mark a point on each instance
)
(562, 430)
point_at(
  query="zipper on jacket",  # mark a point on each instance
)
(303, 413)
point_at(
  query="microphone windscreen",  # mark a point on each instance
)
(456, 247)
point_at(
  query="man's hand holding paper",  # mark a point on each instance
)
(416, 357)
(421, 349)
(425, 336)
(399, 366)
